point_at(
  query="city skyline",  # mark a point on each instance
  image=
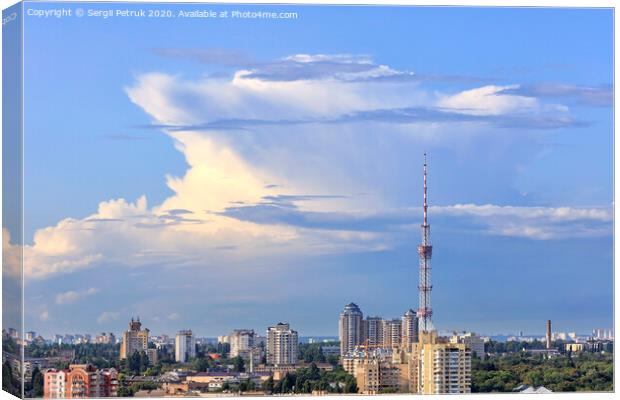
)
(223, 183)
(596, 332)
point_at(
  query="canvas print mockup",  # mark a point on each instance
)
(210, 200)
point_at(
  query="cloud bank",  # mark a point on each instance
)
(267, 194)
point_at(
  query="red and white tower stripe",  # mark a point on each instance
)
(425, 251)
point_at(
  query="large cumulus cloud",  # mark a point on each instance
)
(294, 177)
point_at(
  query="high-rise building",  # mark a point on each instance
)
(373, 330)
(392, 333)
(439, 367)
(152, 356)
(241, 343)
(80, 381)
(603, 334)
(410, 329)
(350, 328)
(134, 339)
(184, 346)
(282, 345)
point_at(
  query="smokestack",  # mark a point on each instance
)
(548, 334)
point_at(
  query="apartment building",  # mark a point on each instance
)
(134, 339)
(438, 366)
(241, 343)
(184, 346)
(392, 333)
(410, 329)
(350, 328)
(80, 381)
(473, 342)
(282, 345)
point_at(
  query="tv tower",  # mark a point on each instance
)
(425, 251)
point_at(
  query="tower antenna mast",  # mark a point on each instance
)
(425, 252)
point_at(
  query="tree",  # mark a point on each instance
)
(589, 372)
(311, 352)
(37, 383)
(144, 361)
(239, 364)
(124, 391)
(133, 363)
(200, 364)
(333, 360)
(223, 348)
(9, 383)
(313, 372)
(246, 385)
(287, 383)
(350, 385)
(267, 386)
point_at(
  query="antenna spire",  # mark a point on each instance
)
(425, 195)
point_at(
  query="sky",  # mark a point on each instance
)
(223, 173)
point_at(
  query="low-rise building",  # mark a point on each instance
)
(375, 376)
(81, 381)
(548, 353)
(531, 389)
(474, 342)
(279, 371)
(600, 345)
(574, 347)
(330, 350)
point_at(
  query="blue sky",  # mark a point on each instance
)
(220, 174)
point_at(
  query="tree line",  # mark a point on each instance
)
(570, 373)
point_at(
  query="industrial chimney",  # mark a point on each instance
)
(548, 334)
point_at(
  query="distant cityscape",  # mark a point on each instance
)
(376, 352)
(110, 337)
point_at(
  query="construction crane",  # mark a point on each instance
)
(367, 346)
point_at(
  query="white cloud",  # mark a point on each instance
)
(543, 223)
(341, 58)
(44, 315)
(245, 97)
(533, 213)
(173, 316)
(107, 316)
(11, 256)
(489, 100)
(72, 296)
